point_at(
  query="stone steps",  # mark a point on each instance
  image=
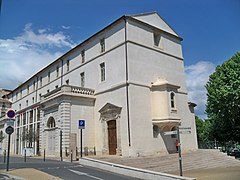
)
(200, 159)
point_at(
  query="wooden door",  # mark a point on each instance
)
(112, 137)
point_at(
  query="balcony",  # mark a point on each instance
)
(166, 123)
(67, 90)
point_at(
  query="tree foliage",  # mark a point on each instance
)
(223, 103)
(203, 132)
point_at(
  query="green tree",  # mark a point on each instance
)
(203, 133)
(223, 103)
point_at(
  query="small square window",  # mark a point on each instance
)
(172, 98)
(49, 76)
(82, 77)
(40, 81)
(157, 38)
(67, 82)
(68, 64)
(102, 44)
(102, 69)
(34, 85)
(57, 72)
(83, 56)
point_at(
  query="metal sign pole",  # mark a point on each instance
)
(81, 143)
(81, 126)
(179, 152)
(8, 151)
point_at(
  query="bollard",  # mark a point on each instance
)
(44, 155)
(71, 156)
(4, 158)
(77, 158)
(25, 155)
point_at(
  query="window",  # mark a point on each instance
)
(21, 93)
(157, 40)
(68, 62)
(83, 56)
(49, 76)
(102, 67)
(20, 106)
(67, 82)
(40, 97)
(174, 135)
(51, 122)
(28, 89)
(34, 85)
(26, 102)
(102, 45)
(56, 86)
(40, 81)
(48, 91)
(3, 106)
(82, 77)
(32, 99)
(172, 98)
(57, 72)
(156, 131)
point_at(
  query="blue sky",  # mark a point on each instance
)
(33, 33)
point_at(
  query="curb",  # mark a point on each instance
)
(130, 171)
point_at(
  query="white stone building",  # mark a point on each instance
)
(5, 104)
(126, 81)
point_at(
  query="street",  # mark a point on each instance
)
(63, 170)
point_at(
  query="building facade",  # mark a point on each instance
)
(126, 81)
(5, 104)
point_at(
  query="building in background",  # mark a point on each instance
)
(126, 81)
(5, 104)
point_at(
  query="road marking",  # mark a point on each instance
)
(53, 168)
(85, 174)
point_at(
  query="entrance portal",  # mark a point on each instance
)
(112, 137)
(51, 142)
(51, 136)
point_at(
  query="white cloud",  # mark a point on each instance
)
(197, 76)
(24, 55)
(66, 27)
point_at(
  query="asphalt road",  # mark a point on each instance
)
(63, 170)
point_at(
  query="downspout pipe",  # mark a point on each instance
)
(127, 84)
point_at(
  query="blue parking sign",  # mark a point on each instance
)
(81, 124)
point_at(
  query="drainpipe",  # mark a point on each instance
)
(127, 85)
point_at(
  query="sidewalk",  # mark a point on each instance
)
(228, 173)
(27, 173)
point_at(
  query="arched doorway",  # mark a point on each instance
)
(51, 125)
(112, 137)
